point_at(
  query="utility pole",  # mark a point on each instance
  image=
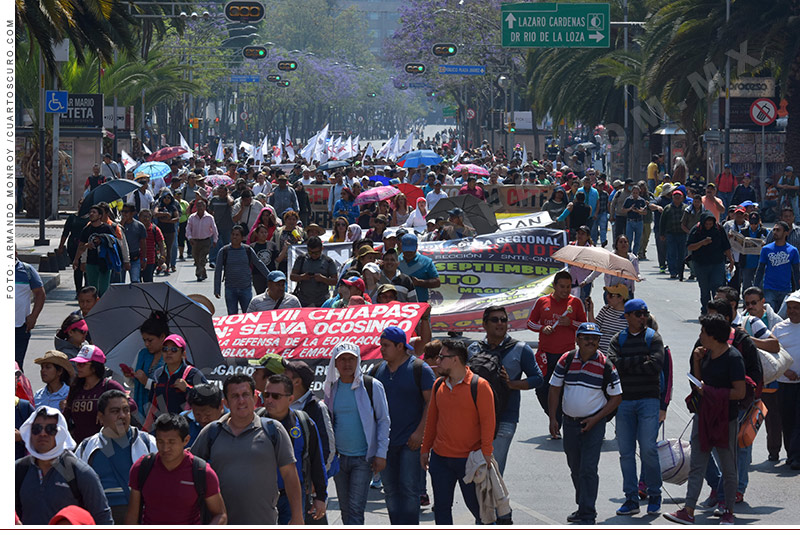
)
(42, 156)
(626, 160)
(727, 93)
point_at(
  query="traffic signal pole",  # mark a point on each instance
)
(191, 106)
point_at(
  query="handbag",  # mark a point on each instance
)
(751, 423)
(673, 456)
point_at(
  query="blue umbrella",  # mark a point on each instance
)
(156, 170)
(415, 158)
(380, 178)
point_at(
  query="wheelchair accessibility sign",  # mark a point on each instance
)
(56, 101)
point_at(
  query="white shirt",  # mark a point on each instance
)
(249, 213)
(788, 334)
(433, 198)
(265, 188)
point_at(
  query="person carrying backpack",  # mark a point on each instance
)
(361, 427)
(159, 493)
(511, 357)
(51, 477)
(589, 388)
(461, 420)
(236, 261)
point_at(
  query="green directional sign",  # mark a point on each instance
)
(449, 111)
(556, 25)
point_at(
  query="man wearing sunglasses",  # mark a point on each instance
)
(51, 477)
(637, 352)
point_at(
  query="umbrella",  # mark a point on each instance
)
(477, 213)
(596, 259)
(376, 194)
(472, 169)
(381, 179)
(587, 145)
(415, 158)
(167, 153)
(156, 170)
(333, 164)
(411, 192)
(115, 320)
(108, 192)
(219, 180)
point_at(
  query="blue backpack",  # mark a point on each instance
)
(111, 252)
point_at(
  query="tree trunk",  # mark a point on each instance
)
(791, 150)
(30, 170)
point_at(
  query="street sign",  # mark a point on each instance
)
(245, 79)
(84, 110)
(470, 113)
(56, 101)
(763, 112)
(243, 116)
(462, 69)
(449, 111)
(555, 25)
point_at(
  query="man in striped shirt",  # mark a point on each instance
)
(638, 354)
(590, 394)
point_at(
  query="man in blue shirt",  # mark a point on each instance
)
(408, 382)
(27, 284)
(113, 450)
(420, 268)
(206, 405)
(778, 271)
(592, 196)
(516, 357)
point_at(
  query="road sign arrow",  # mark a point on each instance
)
(596, 36)
(511, 19)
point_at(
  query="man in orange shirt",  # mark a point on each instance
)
(460, 420)
(556, 317)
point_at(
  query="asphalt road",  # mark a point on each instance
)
(537, 475)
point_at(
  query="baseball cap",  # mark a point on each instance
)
(727, 166)
(177, 340)
(90, 353)
(397, 336)
(372, 267)
(356, 282)
(589, 328)
(271, 362)
(456, 211)
(56, 358)
(635, 304)
(73, 515)
(345, 347)
(620, 289)
(788, 168)
(794, 297)
(389, 233)
(276, 276)
(409, 243)
(382, 218)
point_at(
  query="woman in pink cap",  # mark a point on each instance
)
(80, 407)
(174, 379)
(71, 336)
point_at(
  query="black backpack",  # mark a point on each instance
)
(488, 366)
(198, 475)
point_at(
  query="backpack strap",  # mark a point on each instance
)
(416, 368)
(305, 425)
(473, 388)
(199, 478)
(368, 387)
(268, 425)
(649, 334)
(20, 471)
(69, 462)
(144, 469)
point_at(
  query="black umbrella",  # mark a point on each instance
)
(333, 164)
(477, 213)
(108, 192)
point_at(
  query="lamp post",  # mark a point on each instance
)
(504, 82)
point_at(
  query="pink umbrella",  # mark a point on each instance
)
(472, 169)
(167, 153)
(219, 180)
(376, 195)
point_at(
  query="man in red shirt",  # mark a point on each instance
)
(154, 240)
(556, 317)
(726, 184)
(168, 493)
(472, 188)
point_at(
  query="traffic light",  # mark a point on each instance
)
(444, 50)
(274, 78)
(287, 65)
(194, 123)
(415, 68)
(510, 127)
(283, 83)
(254, 52)
(431, 93)
(191, 124)
(216, 120)
(373, 94)
(244, 11)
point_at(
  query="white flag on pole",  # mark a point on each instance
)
(288, 146)
(235, 155)
(346, 150)
(321, 144)
(277, 152)
(127, 161)
(356, 146)
(146, 149)
(189, 153)
(524, 154)
(385, 151)
(395, 151)
(370, 152)
(408, 145)
(458, 151)
(220, 155)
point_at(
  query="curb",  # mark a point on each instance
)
(50, 281)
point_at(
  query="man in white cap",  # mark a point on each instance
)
(52, 477)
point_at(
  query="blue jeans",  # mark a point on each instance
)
(599, 228)
(147, 273)
(583, 456)
(445, 472)
(352, 486)
(637, 421)
(726, 198)
(676, 252)
(236, 297)
(135, 272)
(775, 298)
(21, 338)
(633, 231)
(285, 509)
(401, 485)
(502, 442)
(709, 278)
(173, 253)
(223, 240)
(744, 456)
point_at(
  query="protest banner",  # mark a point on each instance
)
(309, 334)
(510, 268)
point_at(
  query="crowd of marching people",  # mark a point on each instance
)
(168, 447)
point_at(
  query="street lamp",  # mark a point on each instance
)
(504, 82)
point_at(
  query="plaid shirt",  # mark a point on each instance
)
(671, 219)
(602, 201)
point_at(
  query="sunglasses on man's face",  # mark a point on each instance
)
(275, 395)
(50, 429)
(498, 319)
(641, 313)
